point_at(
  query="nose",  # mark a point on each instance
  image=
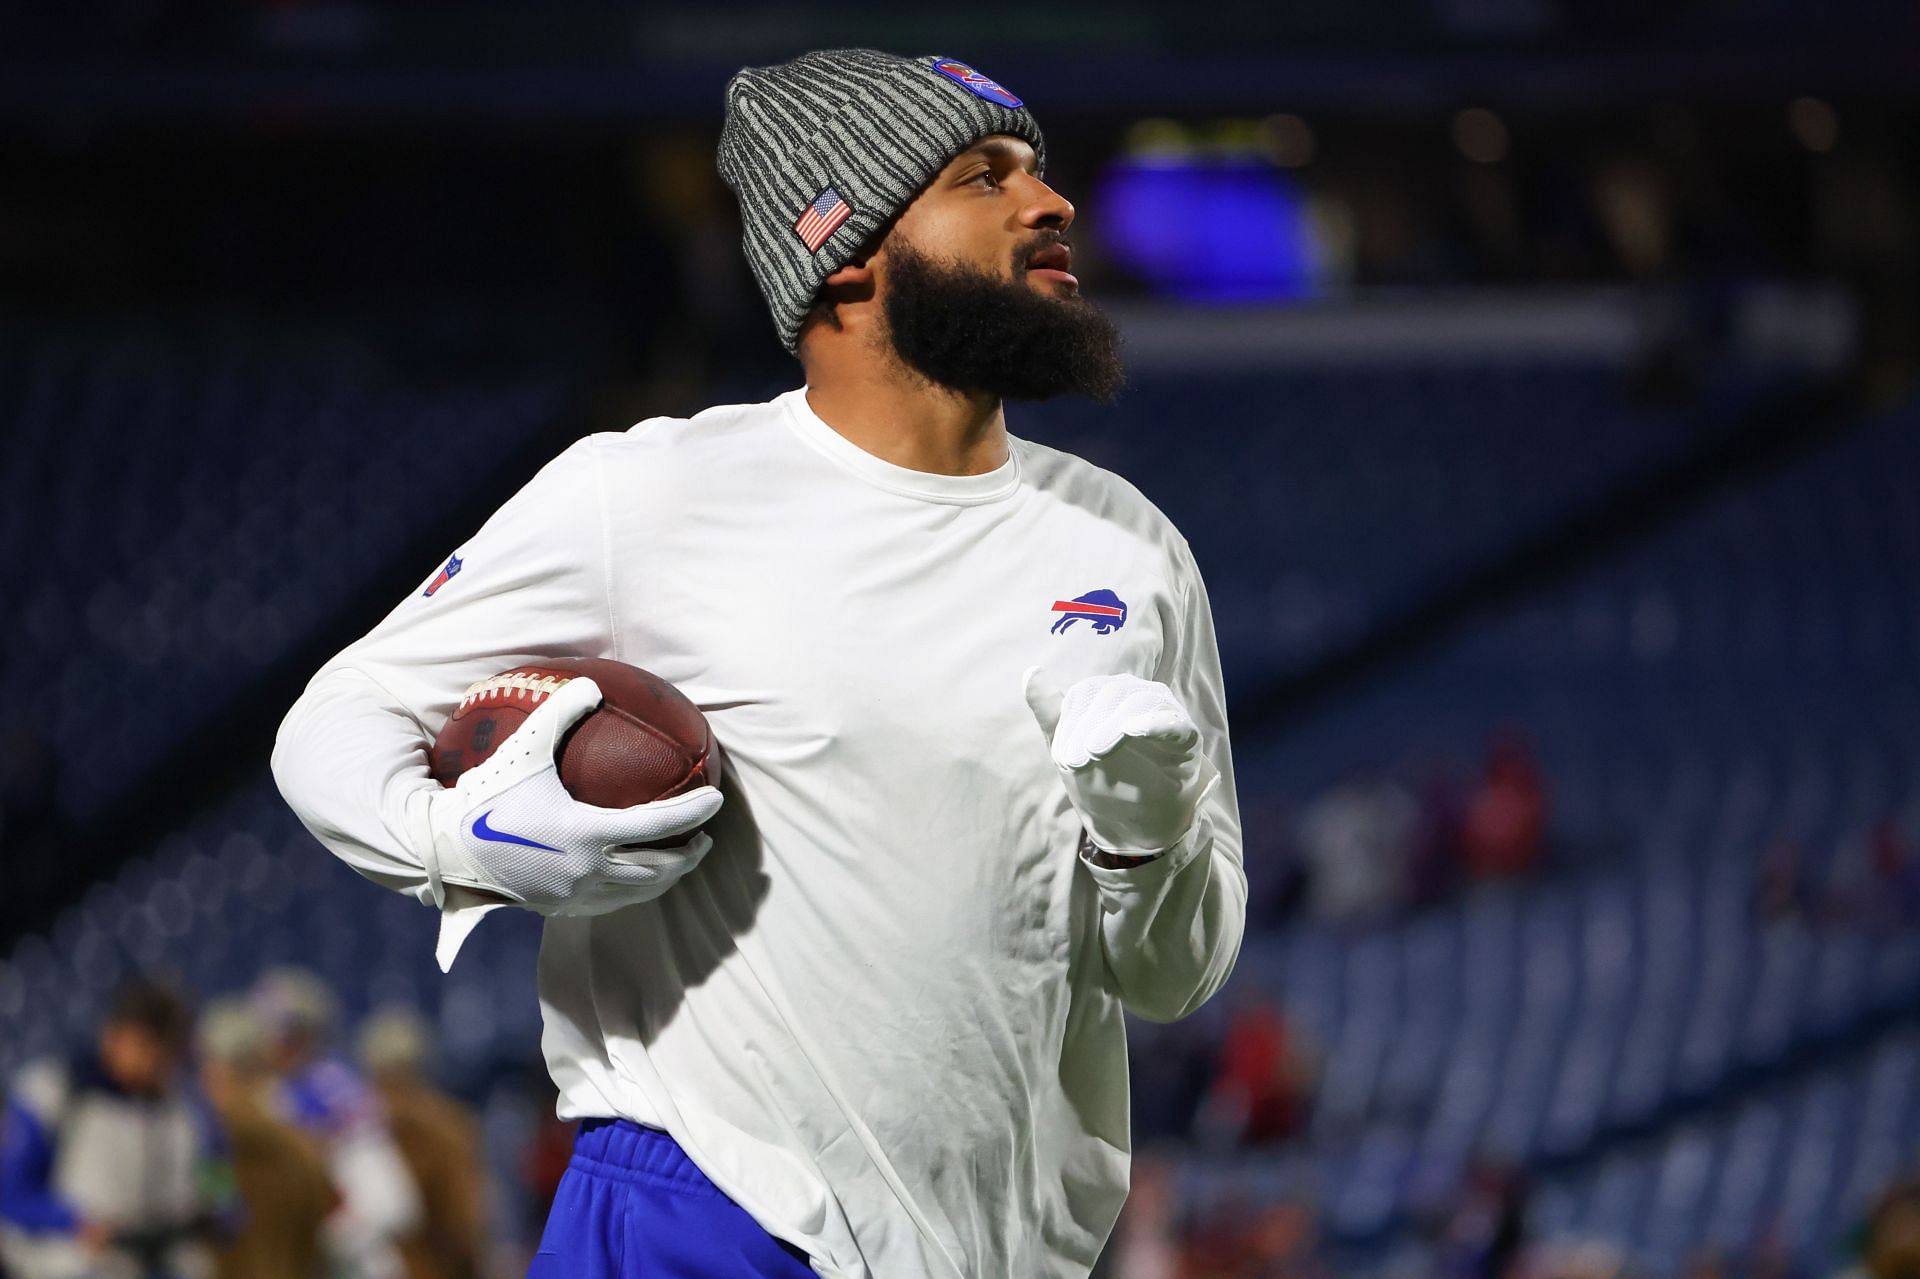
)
(1046, 208)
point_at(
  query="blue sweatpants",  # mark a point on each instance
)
(633, 1206)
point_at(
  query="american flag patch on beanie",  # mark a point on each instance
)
(821, 219)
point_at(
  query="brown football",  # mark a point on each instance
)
(644, 742)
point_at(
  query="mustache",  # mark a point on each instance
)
(1043, 240)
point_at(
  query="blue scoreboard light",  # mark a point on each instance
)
(1209, 227)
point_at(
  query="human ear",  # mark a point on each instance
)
(857, 273)
(851, 283)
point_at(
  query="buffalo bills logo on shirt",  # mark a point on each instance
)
(444, 576)
(973, 82)
(1106, 612)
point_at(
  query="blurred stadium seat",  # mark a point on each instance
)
(1576, 1023)
(1740, 680)
(1317, 500)
(291, 289)
(185, 503)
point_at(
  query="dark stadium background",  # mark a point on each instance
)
(1532, 378)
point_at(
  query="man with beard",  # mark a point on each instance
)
(978, 800)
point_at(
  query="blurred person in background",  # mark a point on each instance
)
(286, 1193)
(1506, 822)
(1264, 1080)
(109, 1169)
(1145, 1240)
(1283, 1242)
(327, 1099)
(1239, 1238)
(1573, 1259)
(439, 1137)
(1887, 1244)
(1357, 842)
(1217, 1241)
(1484, 1233)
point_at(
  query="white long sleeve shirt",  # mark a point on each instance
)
(884, 1014)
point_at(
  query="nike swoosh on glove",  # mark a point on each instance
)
(510, 829)
(1129, 754)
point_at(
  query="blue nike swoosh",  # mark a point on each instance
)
(483, 831)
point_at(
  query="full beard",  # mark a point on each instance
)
(968, 329)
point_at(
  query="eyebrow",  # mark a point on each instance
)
(997, 150)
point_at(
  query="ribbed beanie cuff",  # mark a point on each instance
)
(822, 151)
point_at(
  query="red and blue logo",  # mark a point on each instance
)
(1104, 610)
(444, 576)
(975, 83)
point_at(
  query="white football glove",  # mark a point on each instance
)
(1130, 757)
(510, 829)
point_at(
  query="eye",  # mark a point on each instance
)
(985, 177)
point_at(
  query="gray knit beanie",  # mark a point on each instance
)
(822, 151)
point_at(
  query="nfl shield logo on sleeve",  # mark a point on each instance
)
(445, 575)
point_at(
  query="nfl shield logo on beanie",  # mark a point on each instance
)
(972, 81)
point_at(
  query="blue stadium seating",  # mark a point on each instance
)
(242, 889)
(181, 506)
(1318, 500)
(1627, 1024)
(1741, 679)
(1799, 1161)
